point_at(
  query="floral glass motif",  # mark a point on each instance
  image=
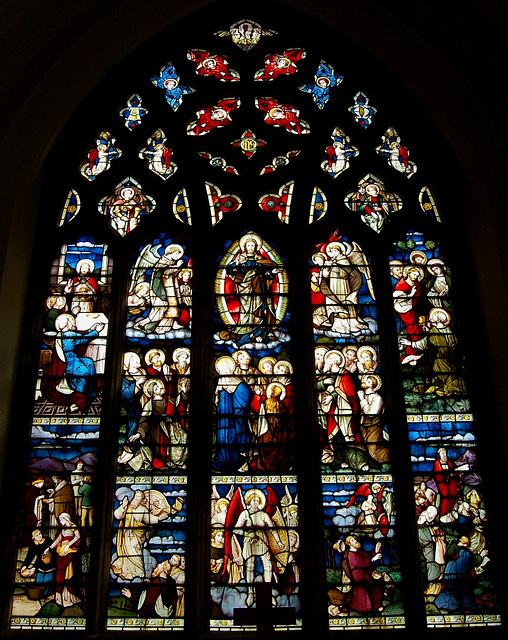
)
(282, 115)
(133, 112)
(362, 110)
(221, 203)
(147, 575)
(324, 80)
(361, 556)
(126, 206)
(214, 117)
(218, 162)
(319, 205)
(54, 555)
(100, 157)
(248, 143)
(181, 209)
(428, 203)
(71, 207)
(278, 162)
(395, 153)
(279, 203)
(339, 153)
(448, 488)
(158, 155)
(373, 202)
(254, 514)
(245, 33)
(279, 64)
(212, 66)
(169, 81)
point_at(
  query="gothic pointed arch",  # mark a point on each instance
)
(249, 212)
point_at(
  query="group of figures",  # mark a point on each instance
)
(254, 537)
(147, 571)
(53, 558)
(155, 406)
(452, 521)
(427, 343)
(363, 565)
(450, 509)
(254, 413)
(74, 340)
(350, 408)
(148, 561)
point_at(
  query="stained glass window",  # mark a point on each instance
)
(259, 215)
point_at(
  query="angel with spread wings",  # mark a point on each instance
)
(324, 80)
(342, 273)
(214, 66)
(280, 64)
(215, 117)
(282, 115)
(255, 528)
(166, 299)
(169, 81)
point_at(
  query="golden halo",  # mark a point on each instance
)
(411, 267)
(280, 386)
(276, 367)
(333, 353)
(180, 350)
(416, 254)
(265, 360)
(364, 349)
(152, 352)
(439, 310)
(147, 386)
(254, 238)
(251, 493)
(174, 248)
(225, 365)
(87, 261)
(376, 378)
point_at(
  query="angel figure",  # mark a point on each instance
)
(324, 80)
(158, 155)
(339, 153)
(396, 154)
(282, 115)
(126, 206)
(256, 519)
(373, 202)
(169, 80)
(280, 64)
(166, 300)
(214, 117)
(344, 272)
(100, 157)
(214, 66)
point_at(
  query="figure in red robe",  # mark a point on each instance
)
(214, 117)
(278, 64)
(282, 115)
